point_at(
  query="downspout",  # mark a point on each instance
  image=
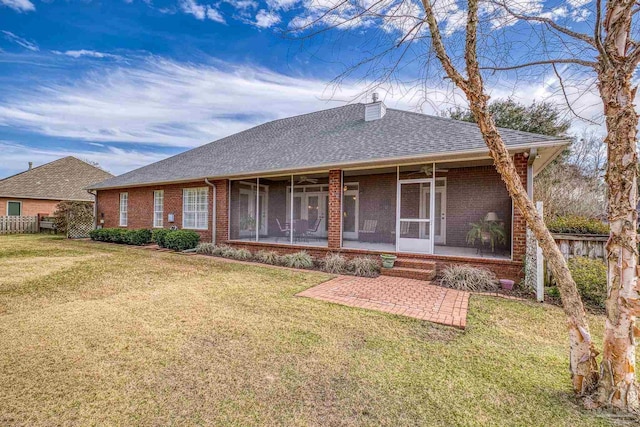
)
(95, 208)
(533, 154)
(214, 217)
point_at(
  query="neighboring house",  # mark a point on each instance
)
(39, 190)
(365, 180)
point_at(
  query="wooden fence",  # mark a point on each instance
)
(18, 224)
(578, 245)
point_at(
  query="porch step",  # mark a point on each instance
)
(409, 273)
(420, 264)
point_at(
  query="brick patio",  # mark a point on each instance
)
(405, 297)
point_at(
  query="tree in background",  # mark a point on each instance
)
(573, 184)
(540, 117)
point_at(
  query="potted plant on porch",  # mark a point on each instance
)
(483, 231)
(388, 260)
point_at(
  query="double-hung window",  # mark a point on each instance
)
(158, 208)
(124, 200)
(195, 208)
(14, 208)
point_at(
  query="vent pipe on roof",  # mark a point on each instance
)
(30, 165)
(374, 110)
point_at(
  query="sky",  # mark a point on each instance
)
(125, 83)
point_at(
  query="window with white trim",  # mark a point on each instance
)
(195, 208)
(124, 200)
(158, 208)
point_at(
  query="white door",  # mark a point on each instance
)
(316, 210)
(350, 215)
(413, 227)
(440, 210)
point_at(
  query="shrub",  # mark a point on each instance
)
(121, 235)
(159, 235)
(298, 260)
(138, 237)
(267, 257)
(334, 263)
(364, 266)
(206, 248)
(181, 240)
(468, 278)
(578, 225)
(590, 276)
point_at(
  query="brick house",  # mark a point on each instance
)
(37, 191)
(359, 179)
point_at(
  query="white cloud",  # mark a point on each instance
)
(87, 53)
(20, 41)
(579, 3)
(19, 5)
(200, 11)
(265, 19)
(243, 4)
(16, 157)
(282, 4)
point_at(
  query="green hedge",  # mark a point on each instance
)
(121, 235)
(159, 236)
(577, 225)
(590, 276)
(180, 240)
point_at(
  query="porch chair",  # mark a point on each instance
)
(368, 231)
(311, 232)
(283, 230)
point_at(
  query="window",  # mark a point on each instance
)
(14, 208)
(158, 207)
(124, 199)
(195, 208)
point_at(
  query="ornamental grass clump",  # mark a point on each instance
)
(242, 255)
(364, 266)
(334, 263)
(298, 260)
(468, 278)
(205, 248)
(268, 257)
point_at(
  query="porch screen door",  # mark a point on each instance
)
(414, 221)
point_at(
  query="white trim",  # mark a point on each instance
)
(14, 201)
(124, 223)
(197, 213)
(161, 211)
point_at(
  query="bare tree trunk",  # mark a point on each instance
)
(618, 387)
(583, 365)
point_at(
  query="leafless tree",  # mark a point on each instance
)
(606, 56)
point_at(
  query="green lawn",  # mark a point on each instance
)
(94, 334)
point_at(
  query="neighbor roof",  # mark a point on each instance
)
(62, 179)
(327, 138)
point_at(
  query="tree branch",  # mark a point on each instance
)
(550, 22)
(574, 61)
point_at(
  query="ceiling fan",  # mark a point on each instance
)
(304, 179)
(428, 171)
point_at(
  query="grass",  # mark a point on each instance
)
(96, 334)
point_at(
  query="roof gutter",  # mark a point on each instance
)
(373, 162)
(213, 213)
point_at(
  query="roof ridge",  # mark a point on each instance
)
(475, 124)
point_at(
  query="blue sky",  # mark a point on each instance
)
(125, 83)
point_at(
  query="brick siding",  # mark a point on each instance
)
(140, 207)
(519, 224)
(335, 209)
(31, 207)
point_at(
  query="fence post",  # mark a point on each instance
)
(539, 263)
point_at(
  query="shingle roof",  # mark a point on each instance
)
(62, 179)
(325, 138)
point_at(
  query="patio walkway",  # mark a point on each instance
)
(406, 297)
